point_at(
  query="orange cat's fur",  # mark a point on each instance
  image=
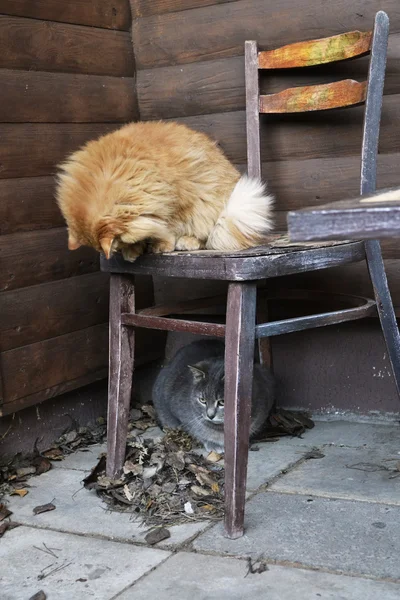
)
(163, 184)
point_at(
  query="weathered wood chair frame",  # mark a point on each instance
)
(242, 270)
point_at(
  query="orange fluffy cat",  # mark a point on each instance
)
(162, 187)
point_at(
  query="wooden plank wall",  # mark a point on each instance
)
(189, 56)
(67, 75)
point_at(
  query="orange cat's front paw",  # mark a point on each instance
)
(130, 252)
(188, 242)
(160, 246)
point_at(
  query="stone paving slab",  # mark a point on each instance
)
(350, 434)
(341, 535)
(82, 460)
(352, 473)
(82, 511)
(270, 460)
(202, 577)
(89, 568)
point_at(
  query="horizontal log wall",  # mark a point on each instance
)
(67, 76)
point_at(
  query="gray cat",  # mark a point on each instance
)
(189, 393)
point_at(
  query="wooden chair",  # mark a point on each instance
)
(242, 270)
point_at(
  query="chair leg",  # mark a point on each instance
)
(264, 344)
(239, 359)
(121, 357)
(385, 306)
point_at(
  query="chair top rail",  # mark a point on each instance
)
(317, 52)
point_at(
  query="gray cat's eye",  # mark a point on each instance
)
(221, 402)
(202, 401)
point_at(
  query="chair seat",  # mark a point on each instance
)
(279, 257)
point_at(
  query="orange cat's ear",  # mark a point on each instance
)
(73, 243)
(106, 245)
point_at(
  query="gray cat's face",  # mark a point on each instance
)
(208, 392)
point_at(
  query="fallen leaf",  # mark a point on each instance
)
(24, 471)
(70, 436)
(199, 491)
(205, 479)
(157, 535)
(43, 508)
(42, 465)
(208, 507)
(131, 467)
(214, 457)
(54, 454)
(4, 512)
(176, 460)
(148, 409)
(3, 528)
(39, 596)
(215, 487)
(149, 472)
(314, 453)
(253, 569)
(188, 508)
(128, 493)
(20, 493)
(91, 480)
(135, 414)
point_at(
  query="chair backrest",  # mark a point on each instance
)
(328, 96)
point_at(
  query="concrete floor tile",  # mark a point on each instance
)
(81, 460)
(82, 511)
(270, 460)
(351, 434)
(214, 578)
(352, 473)
(342, 535)
(88, 567)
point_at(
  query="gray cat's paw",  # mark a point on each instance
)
(214, 447)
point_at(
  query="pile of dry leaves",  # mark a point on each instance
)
(164, 481)
(168, 481)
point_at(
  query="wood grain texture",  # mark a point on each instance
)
(314, 135)
(390, 245)
(316, 52)
(32, 150)
(121, 365)
(30, 44)
(53, 362)
(171, 324)
(114, 14)
(32, 399)
(218, 85)
(144, 8)
(239, 359)
(326, 96)
(244, 266)
(27, 204)
(39, 312)
(40, 97)
(346, 218)
(38, 257)
(253, 140)
(221, 30)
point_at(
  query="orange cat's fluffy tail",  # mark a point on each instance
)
(245, 220)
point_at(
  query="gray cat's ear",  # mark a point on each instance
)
(198, 374)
